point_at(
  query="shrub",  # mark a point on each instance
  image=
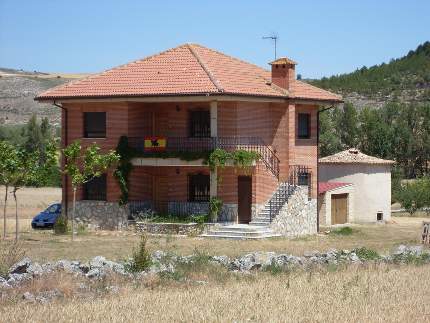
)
(366, 254)
(60, 226)
(10, 253)
(215, 206)
(415, 195)
(81, 229)
(344, 231)
(199, 218)
(273, 268)
(141, 258)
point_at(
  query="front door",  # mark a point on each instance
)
(339, 208)
(160, 190)
(244, 187)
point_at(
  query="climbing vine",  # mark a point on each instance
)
(124, 168)
(241, 158)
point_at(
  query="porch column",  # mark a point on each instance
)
(214, 119)
(213, 189)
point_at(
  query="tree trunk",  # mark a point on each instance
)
(73, 213)
(4, 212)
(16, 215)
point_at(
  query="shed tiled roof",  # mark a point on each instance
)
(354, 156)
(188, 69)
(328, 186)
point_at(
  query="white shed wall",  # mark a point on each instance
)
(372, 187)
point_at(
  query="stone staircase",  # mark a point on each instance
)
(239, 232)
(275, 203)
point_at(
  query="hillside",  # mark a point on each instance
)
(406, 79)
(18, 89)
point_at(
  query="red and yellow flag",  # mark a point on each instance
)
(155, 143)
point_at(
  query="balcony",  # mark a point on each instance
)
(205, 145)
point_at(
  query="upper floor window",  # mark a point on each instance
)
(94, 124)
(198, 187)
(304, 128)
(200, 124)
(95, 189)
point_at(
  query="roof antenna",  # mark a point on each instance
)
(274, 38)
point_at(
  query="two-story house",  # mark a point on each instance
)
(187, 100)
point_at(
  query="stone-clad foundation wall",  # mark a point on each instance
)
(111, 216)
(101, 214)
(298, 217)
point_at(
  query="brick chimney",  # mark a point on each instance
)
(283, 72)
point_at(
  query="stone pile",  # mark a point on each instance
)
(163, 262)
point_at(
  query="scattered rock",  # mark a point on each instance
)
(21, 266)
(4, 284)
(221, 260)
(95, 273)
(35, 269)
(112, 289)
(97, 262)
(354, 258)
(28, 297)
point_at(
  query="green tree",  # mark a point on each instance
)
(347, 126)
(329, 141)
(84, 164)
(415, 195)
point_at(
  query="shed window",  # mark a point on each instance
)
(95, 189)
(198, 186)
(200, 124)
(94, 124)
(304, 131)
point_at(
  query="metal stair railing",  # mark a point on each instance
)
(286, 189)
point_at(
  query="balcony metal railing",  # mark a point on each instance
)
(185, 144)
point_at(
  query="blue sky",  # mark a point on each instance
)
(324, 37)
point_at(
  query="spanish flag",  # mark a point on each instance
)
(155, 143)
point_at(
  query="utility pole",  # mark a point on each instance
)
(274, 38)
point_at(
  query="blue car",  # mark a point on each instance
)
(47, 218)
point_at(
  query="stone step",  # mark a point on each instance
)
(239, 233)
(257, 223)
(237, 228)
(262, 236)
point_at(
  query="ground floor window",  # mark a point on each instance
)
(95, 189)
(304, 179)
(198, 188)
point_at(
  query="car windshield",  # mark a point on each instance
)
(52, 209)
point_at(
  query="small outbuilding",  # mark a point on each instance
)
(369, 198)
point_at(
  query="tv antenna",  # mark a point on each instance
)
(274, 38)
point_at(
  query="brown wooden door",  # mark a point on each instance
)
(160, 190)
(244, 187)
(339, 209)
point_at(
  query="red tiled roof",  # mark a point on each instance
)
(328, 186)
(188, 69)
(354, 156)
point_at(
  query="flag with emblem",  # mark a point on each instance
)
(155, 143)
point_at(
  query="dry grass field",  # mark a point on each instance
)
(357, 294)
